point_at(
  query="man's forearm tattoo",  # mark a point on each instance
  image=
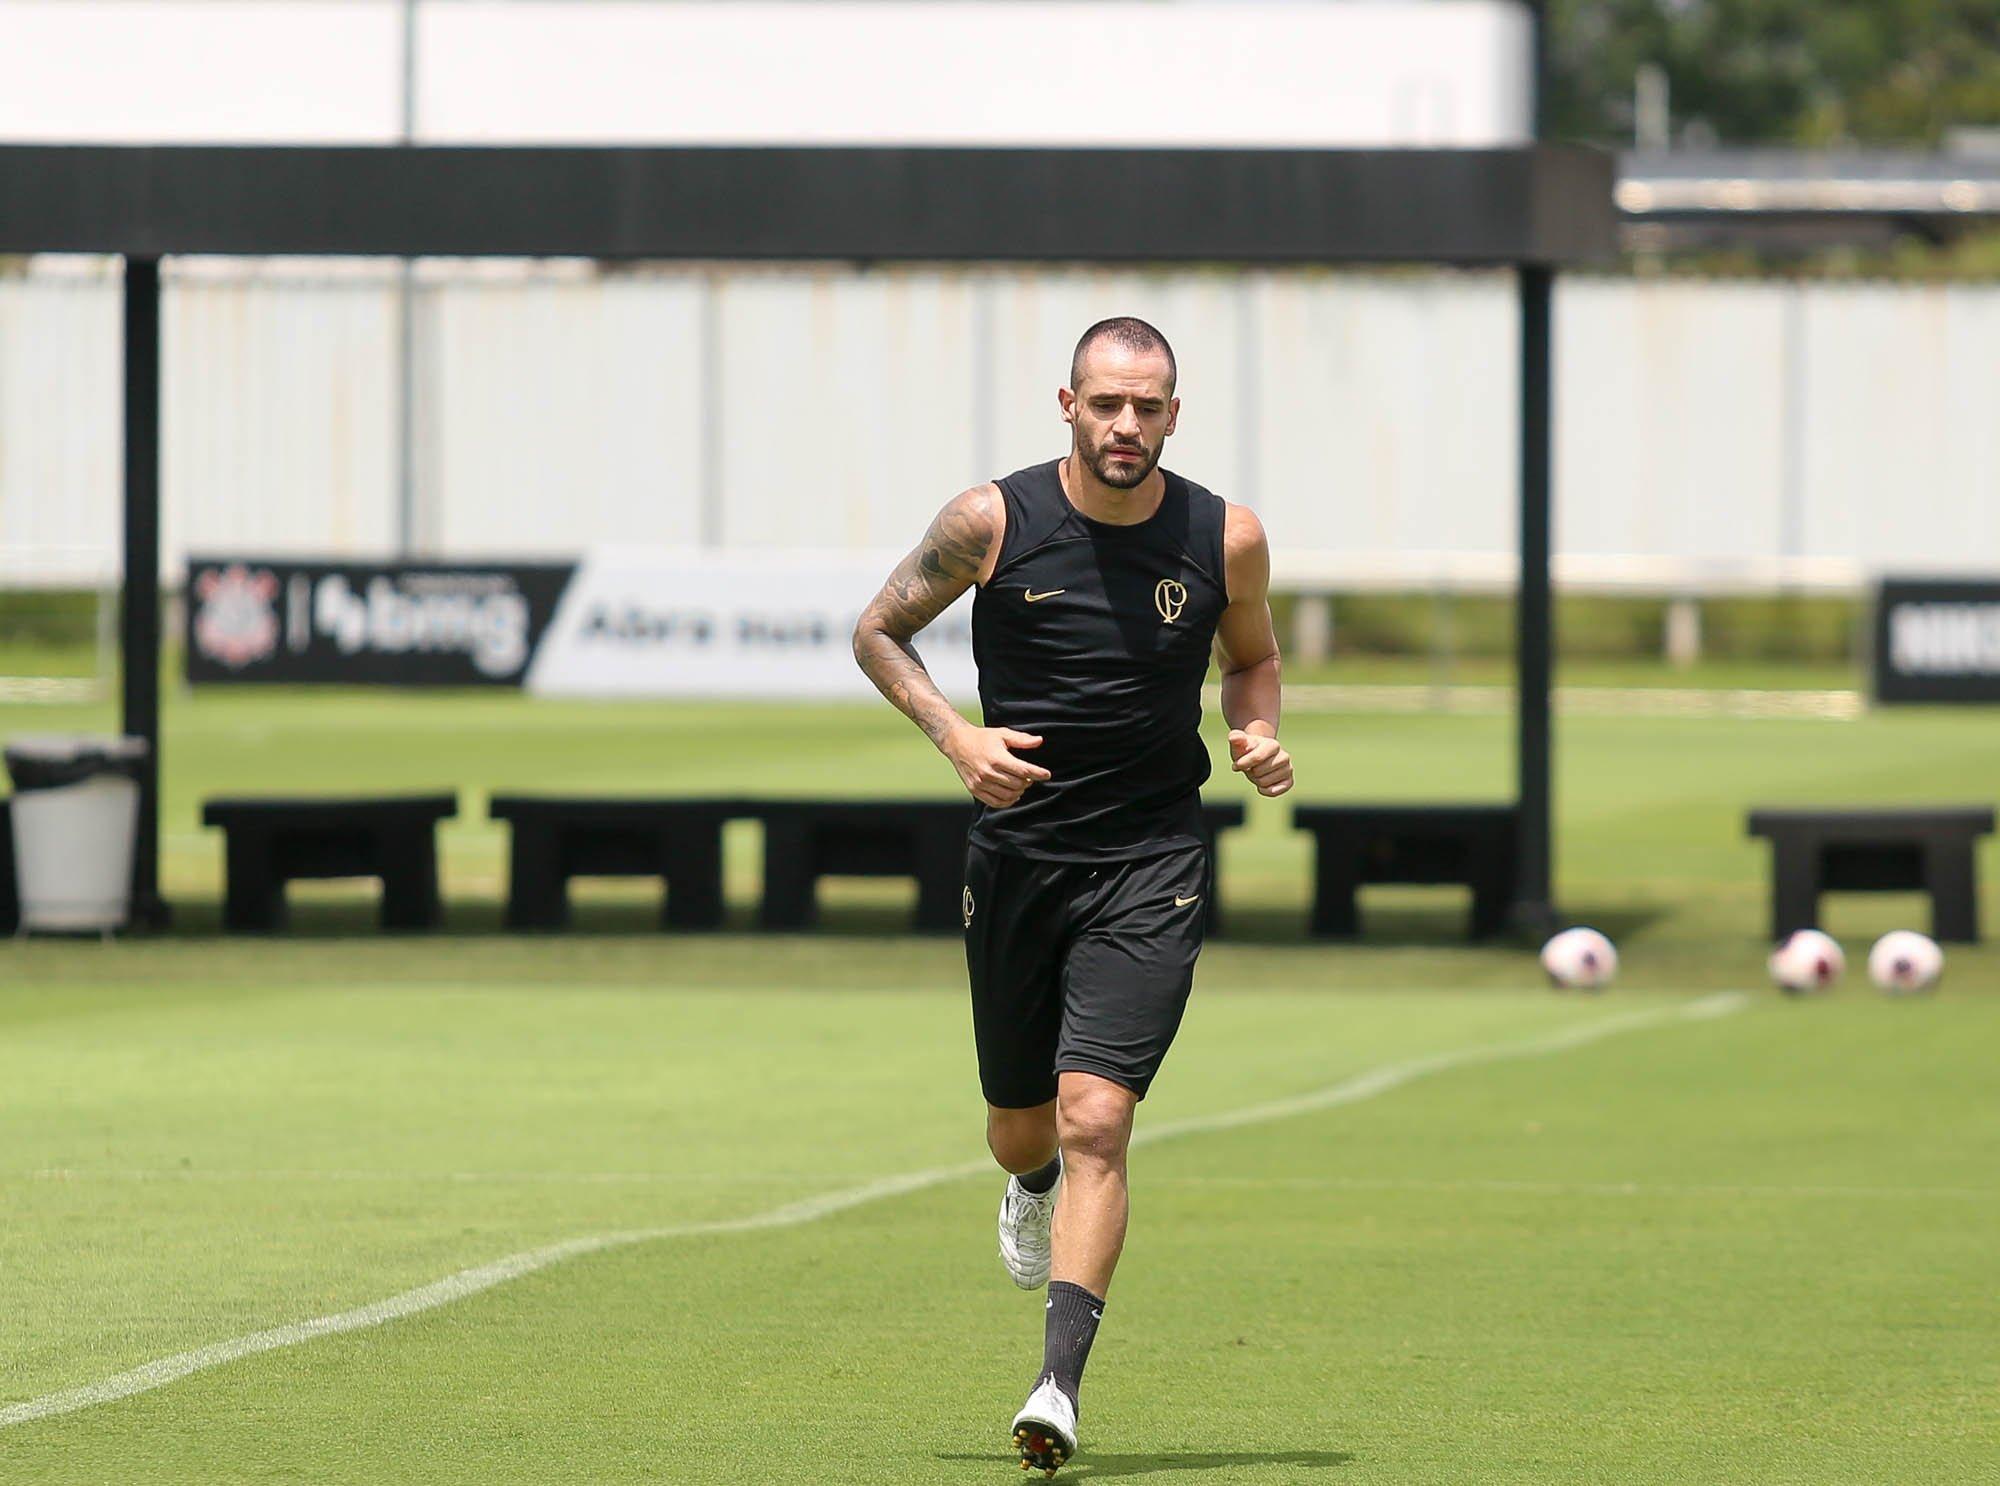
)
(923, 586)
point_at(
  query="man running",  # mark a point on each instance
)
(1104, 583)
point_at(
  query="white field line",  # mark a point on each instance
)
(466, 1282)
(50, 689)
(315, 1175)
(1584, 1189)
(1573, 701)
(309, 1176)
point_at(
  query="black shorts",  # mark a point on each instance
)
(1079, 968)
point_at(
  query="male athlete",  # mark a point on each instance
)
(1104, 583)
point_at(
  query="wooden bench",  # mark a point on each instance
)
(554, 839)
(1358, 844)
(805, 840)
(1875, 851)
(269, 842)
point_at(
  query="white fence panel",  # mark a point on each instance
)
(277, 416)
(59, 440)
(1670, 419)
(1384, 414)
(557, 416)
(1706, 430)
(845, 405)
(1902, 401)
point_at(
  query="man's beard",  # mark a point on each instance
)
(1121, 476)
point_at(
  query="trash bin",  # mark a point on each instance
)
(75, 813)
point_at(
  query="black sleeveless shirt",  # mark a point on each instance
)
(1096, 638)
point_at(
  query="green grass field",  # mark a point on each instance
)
(1518, 1237)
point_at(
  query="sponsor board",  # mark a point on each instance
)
(622, 622)
(668, 623)
(1937, 640)
(367, 624)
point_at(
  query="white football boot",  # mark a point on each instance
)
(1024, 1232)
(1045, 1429)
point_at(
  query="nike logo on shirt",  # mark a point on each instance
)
(1035, 598)
(1180, 902)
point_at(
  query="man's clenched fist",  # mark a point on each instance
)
(1262, 761)
(984, 758)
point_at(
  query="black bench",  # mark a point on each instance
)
(1875, 851)
(269, 842)
(10, 894)
(805, 840)
(1357, 844)
(554, 839)
(1215, 819)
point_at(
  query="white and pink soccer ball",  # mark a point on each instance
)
(1808, 961)
(1903, 962)
(1580, 960)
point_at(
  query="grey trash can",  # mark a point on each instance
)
(75, 814)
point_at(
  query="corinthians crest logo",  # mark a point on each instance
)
(1170, 598)
(965, 906)
(236, 621)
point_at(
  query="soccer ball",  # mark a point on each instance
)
(1902, 961)
(1808, 961)
(1580, 960)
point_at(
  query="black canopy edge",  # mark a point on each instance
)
(1547, 205)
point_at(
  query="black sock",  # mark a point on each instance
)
(1072, 1317)
(1041, 1178)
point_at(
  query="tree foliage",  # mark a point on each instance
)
(1811, 73)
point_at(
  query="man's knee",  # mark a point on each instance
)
(1021, 1139)
(1094, 1119)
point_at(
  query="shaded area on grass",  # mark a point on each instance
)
(1092, 1465)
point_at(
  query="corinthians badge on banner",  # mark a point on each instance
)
(233, 617)
(368, 624)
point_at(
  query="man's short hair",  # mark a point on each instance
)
(1131, 333)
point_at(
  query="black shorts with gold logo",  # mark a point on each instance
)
(1078, 967)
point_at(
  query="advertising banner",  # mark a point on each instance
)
(622, 622)
(367, 624)
(1937, 640)
(663, 623)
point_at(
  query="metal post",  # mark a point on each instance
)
(139, 613)
(408, 536)
(1534, 642)
(1534, 617)
(709, 351)
(407, 533)
(985, 437)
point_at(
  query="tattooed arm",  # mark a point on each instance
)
(960, 549)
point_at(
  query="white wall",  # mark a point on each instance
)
(200, 71)
(1030, 72)
(1713, 430)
